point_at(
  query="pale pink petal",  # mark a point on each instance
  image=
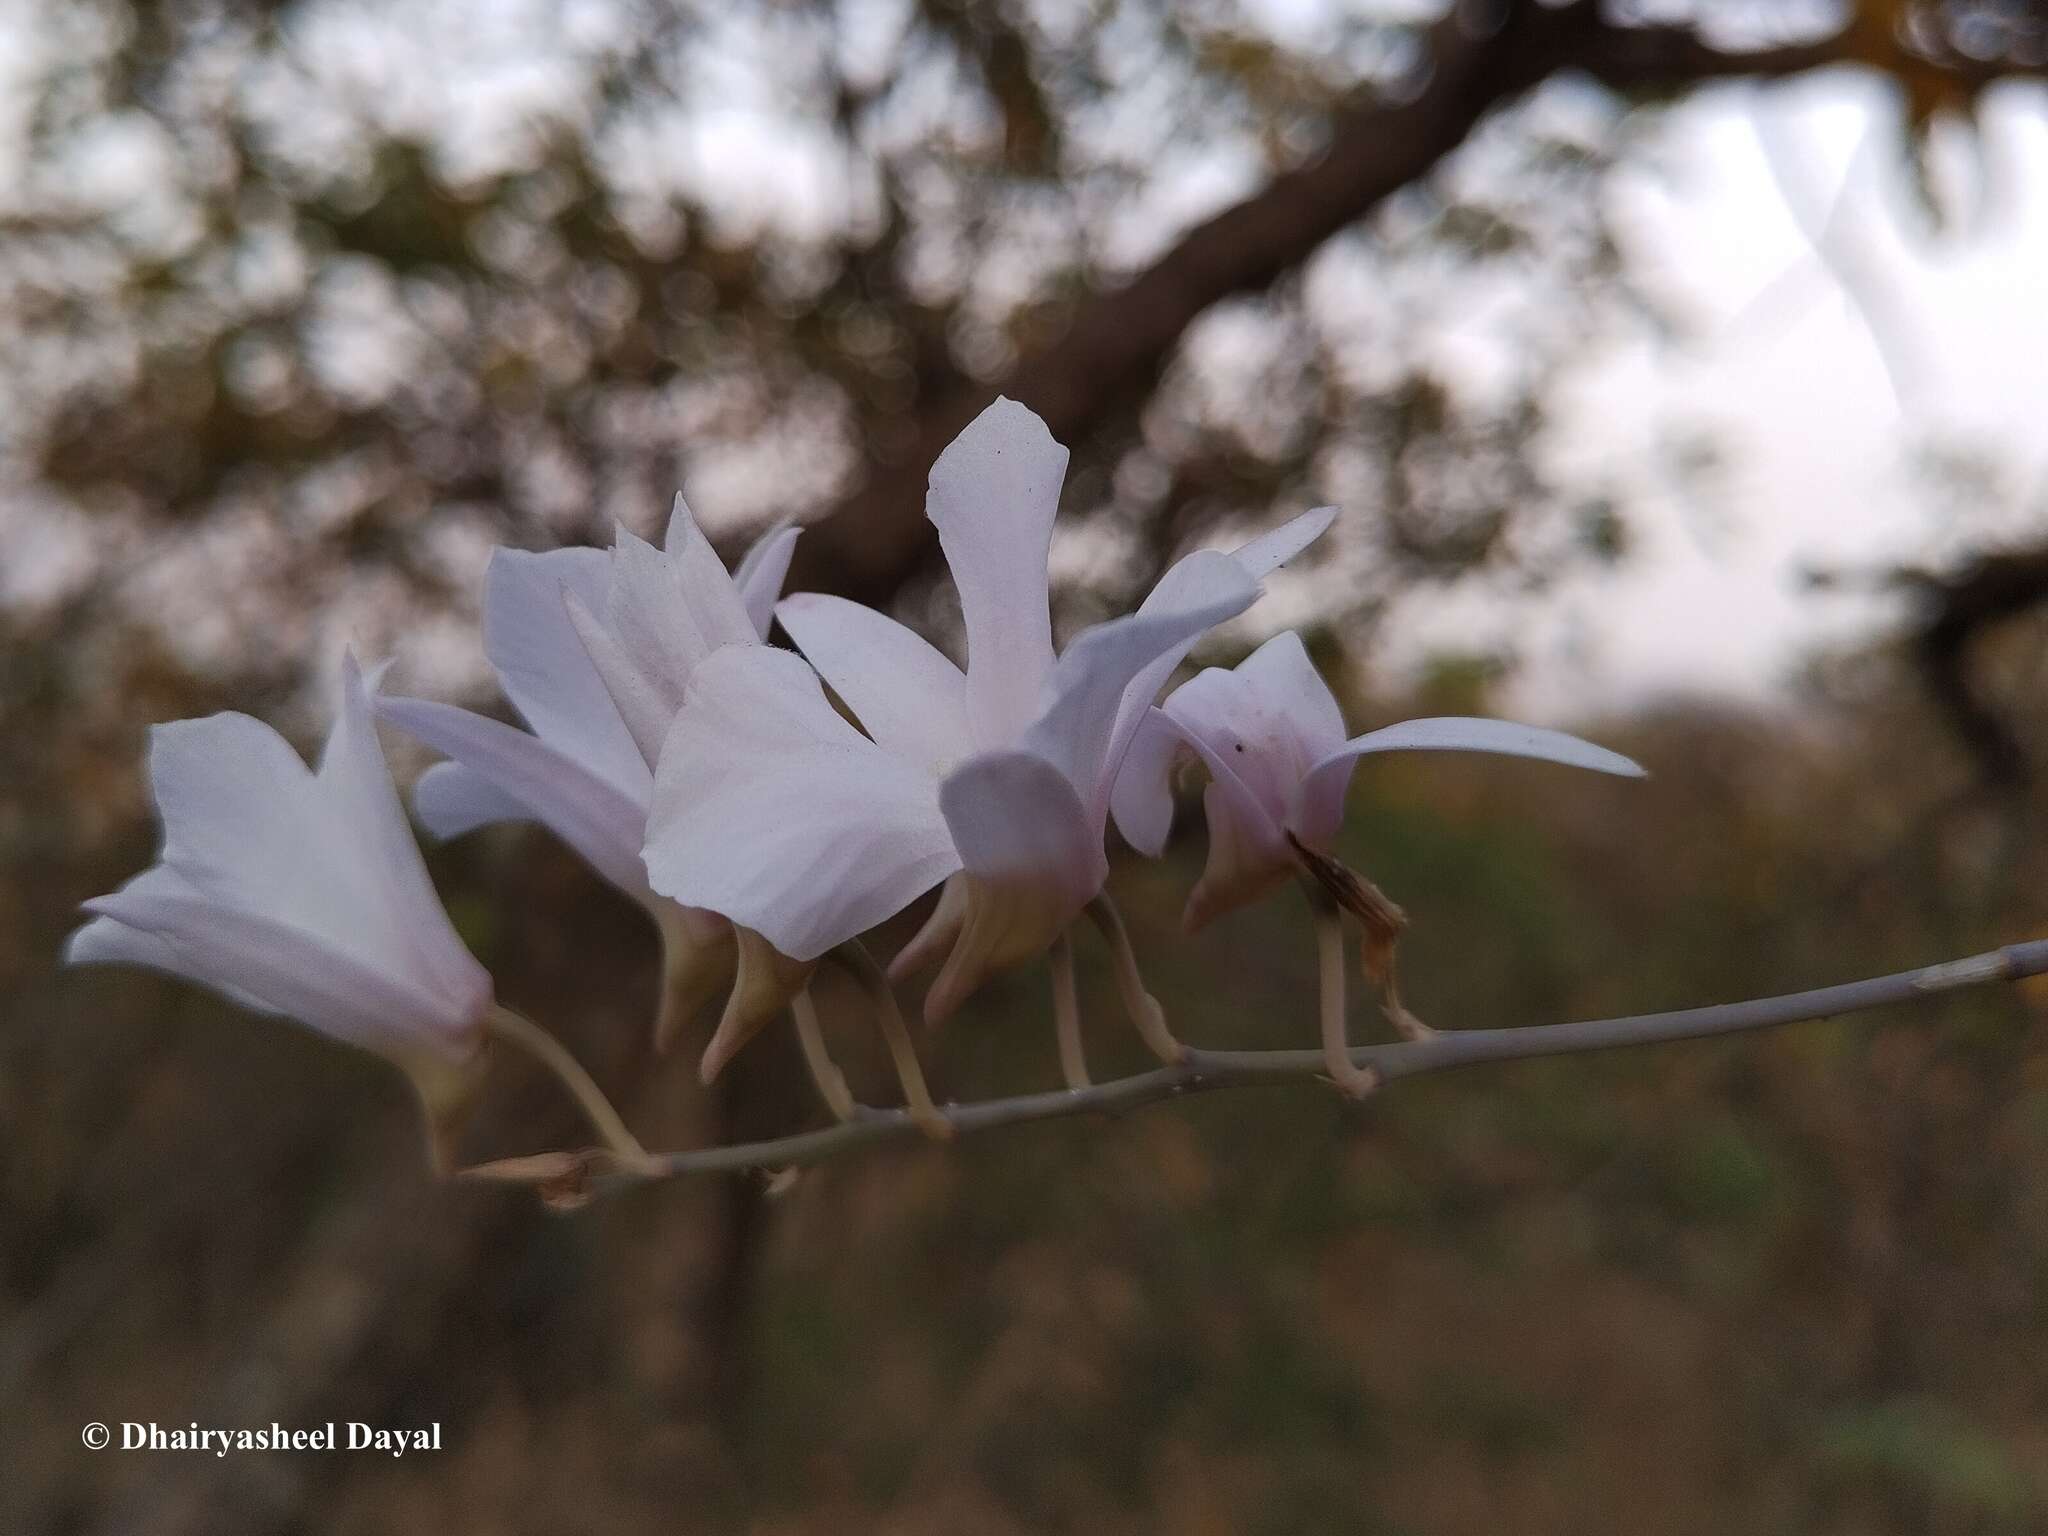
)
(643, 704)
(713, 601)
(762, 571)
(1321, 807)
(1248, 850)
(542, 665)
(1203, 589)
(906, 695)
(1032, 861)
(770, 808)
(295, 972)
(993, 495)
(450, 800)
(601, 823)
(1105, 678)
(104, 941)
(368, 823)
(1142, 798)
(1015, 818)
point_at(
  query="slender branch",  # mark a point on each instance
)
(1204, 1071)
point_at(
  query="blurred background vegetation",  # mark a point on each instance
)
(305, 306)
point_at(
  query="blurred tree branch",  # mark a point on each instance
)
(1478, 59)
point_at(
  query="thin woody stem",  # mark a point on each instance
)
(830, 1082)
(853, 956)
(553, 1055)
(1141, 1005)
(1204, 1071)
(1066, 1014)
(1354, 1080)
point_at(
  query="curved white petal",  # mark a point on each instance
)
(1204, 583)
(245, 823)
(106, 941)
(993, 495)
(906, 695)
(295, 972)
(1262, 556)
(1282, 675)
(368, 822)
(542, 664)
(1032, 859)
(762, 571)
(1101, 684)
(603, 825)
(1015, 818)
(1271, 719)
(1141, 800)
(643, 705)
(1321, 807)
(773, 810)
(450, 800)
(665, 629)
(1248, 850)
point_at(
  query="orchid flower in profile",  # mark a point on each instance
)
(771, 808)
(579, 770)
(300, 891)
(1272, 738)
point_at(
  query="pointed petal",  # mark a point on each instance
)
(1109, 673)
(398, 901)
(697, 963)
(450, 800)
(1321, 807)
(762, 571)
(993, 495)
(1262, 556)
(712, 599)
(937, 934)
(763, 985)
(773, 810)
(907, 696)
(295, 972)
(601, 823)
(642, 705)
(542, 665)
(1196, 594)
(661, 630)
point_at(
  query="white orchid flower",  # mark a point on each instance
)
(1272, 738)
(579, 770)
(300, 892)
(771, 808)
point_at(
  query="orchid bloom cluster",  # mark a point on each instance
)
(767, 807)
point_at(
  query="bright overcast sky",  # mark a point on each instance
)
(1786, 375)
